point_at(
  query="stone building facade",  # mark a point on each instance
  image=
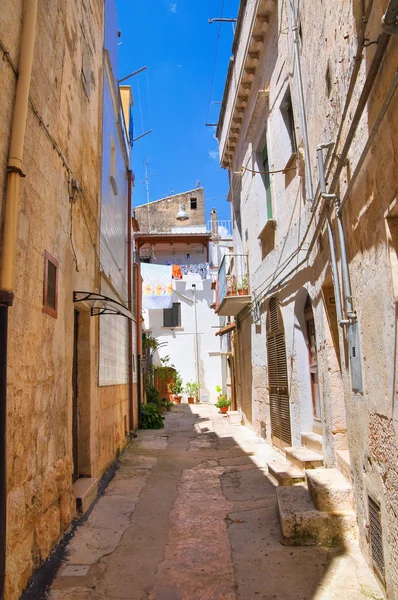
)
(62, 425)
(315, 341)
(160, 215)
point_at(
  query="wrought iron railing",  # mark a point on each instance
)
(233, 276)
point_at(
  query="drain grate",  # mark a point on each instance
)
(376, 535)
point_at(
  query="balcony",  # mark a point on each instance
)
(233, 285)
(220, 230)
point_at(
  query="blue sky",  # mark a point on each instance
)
(173, 38)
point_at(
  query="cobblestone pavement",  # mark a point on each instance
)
(191, 515)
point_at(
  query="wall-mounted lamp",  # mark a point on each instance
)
(182, 214)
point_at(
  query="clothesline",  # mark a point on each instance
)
(201, 269)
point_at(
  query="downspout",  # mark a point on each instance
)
(335, 273)
(129, 297)
(139, 336)
(296, 41)
(196, 340)
(14, 174)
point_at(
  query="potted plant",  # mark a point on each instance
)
(169, 406)
(177, 387)
(192, 391)
(243, 288)
(223, 404)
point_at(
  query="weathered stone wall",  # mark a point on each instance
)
(365, 423)
(160, 216)
(41, 504)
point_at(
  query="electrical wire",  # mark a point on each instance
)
(268, 172)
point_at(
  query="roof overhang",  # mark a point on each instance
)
(100, 305)
(242, 75)
(141, 238)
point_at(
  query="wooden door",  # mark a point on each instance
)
(313, 362)
(277, 377)
(75, 409)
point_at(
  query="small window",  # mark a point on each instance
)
(194, 203)
(267, 179)
(172, 316)
(50, 292)
(287, 114)
(187, 257)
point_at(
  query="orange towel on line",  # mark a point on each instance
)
(176, 271)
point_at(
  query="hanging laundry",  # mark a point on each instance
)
(157, 286)
(185, 269)
(176, 271)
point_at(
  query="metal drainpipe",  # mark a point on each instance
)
(129, 297)
(139, 338)
(322, 184)
(196, 338)
(349, 306)
(14, 174)
(296, 41)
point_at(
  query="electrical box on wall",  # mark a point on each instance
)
(355, 357)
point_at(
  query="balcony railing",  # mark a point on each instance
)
(233, 285)
(220, 230)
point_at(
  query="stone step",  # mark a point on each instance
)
(285, 473)
(304, 458)
(85, 491)
(303, 525)
(329, 490)
(312, 440)
(234, 417)
(343, 464)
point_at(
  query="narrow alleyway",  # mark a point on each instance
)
(191, 515)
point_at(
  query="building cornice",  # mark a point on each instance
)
(245, 79)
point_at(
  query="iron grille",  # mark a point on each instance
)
(376, 537)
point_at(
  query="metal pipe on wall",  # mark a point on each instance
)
(296, 41)
(140, 385)
(129, 297)
(335, 273)
(196, 338)
(14, 174)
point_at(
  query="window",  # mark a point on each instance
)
(287, 114)
(267, 180)
(187, 257)
(194, 203)
(172, 316)
(50, 291)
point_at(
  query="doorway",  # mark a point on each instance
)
(313, 360)
(277, 377)
(75, 400)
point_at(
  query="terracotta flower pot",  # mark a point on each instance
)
(224, 410)
(177, 399)
(191, 400)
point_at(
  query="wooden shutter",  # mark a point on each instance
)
(277, 377)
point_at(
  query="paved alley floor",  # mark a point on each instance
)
(191, 515)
